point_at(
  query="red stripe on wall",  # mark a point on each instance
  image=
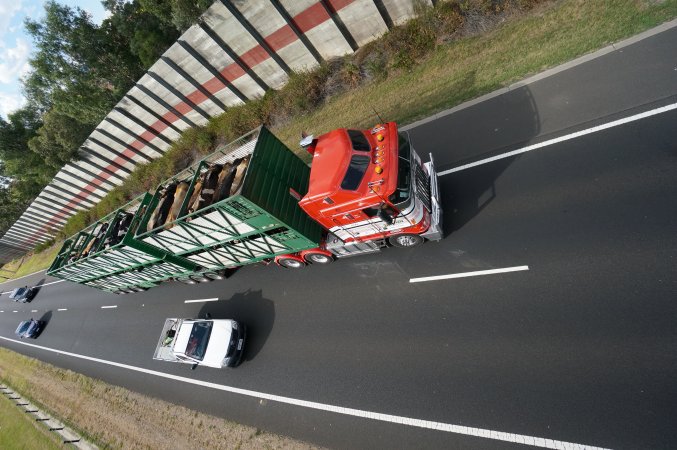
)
(305, 21)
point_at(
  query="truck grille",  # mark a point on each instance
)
(423, 188)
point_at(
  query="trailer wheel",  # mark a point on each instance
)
(318, 258)
(214, 275)
(200, 278)
(290, 263)
(186, 280)
(405, 240)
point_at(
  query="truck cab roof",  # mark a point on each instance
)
(351, 169)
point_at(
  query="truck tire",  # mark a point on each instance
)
(405, 240)
(290, 263)
(318, 258)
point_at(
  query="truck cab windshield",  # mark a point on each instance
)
(199, 337)
(402, 194)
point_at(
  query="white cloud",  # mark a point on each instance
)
(8, 8)
(10, 103)
(14, 61)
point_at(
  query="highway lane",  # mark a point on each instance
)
(579, 348)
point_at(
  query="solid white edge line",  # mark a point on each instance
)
(202, 300)
(108, 307)
(41, 286)
(567, 137)
(427, 424)
(469, 274)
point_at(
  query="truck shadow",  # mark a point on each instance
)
(252, 310)
(491, 128)
(38, 287)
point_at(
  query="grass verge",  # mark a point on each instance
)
(113, 417)
(19, 431)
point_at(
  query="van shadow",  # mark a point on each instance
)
(252, 310)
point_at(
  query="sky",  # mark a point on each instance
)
(16, 46)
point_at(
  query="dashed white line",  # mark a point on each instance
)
(469, 274)
(34, 310)
(62, 309)
(202, 300)
(419, 423)
(110, 306)
(567, 137)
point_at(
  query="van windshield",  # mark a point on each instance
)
(198, 340)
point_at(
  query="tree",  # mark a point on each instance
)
(27, 169)
(79, 69)
(59, 138)
(149, 32)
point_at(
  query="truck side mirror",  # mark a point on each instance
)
(194, 366)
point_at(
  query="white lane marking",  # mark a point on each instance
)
(34, 310)
(420, 423)
(62, 309)
(15, 311)
(202, 300)
(567, 137)
(111, 306)
(469, 274)
(14, 279)
(40, 286)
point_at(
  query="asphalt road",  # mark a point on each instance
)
(580, 348)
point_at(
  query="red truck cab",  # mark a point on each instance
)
(369, 187)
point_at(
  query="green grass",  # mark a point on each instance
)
(448, 74)
(550, 35)
(18, 430)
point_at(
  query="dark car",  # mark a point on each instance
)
(23, 294)
(29, 328)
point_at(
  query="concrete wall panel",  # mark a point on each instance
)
(401, 11)
(363, 21)
(221, 62)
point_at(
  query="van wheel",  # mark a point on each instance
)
(290, 263)
(318, 258)
(405, 240)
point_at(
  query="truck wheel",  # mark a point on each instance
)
(318, 258)
(405, 240)
(290, 263)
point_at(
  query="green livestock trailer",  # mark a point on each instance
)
(237, 206)
(106, 256)
(255, 218)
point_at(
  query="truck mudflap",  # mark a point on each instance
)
(435, 232)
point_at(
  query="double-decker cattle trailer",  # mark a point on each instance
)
(254, 200)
